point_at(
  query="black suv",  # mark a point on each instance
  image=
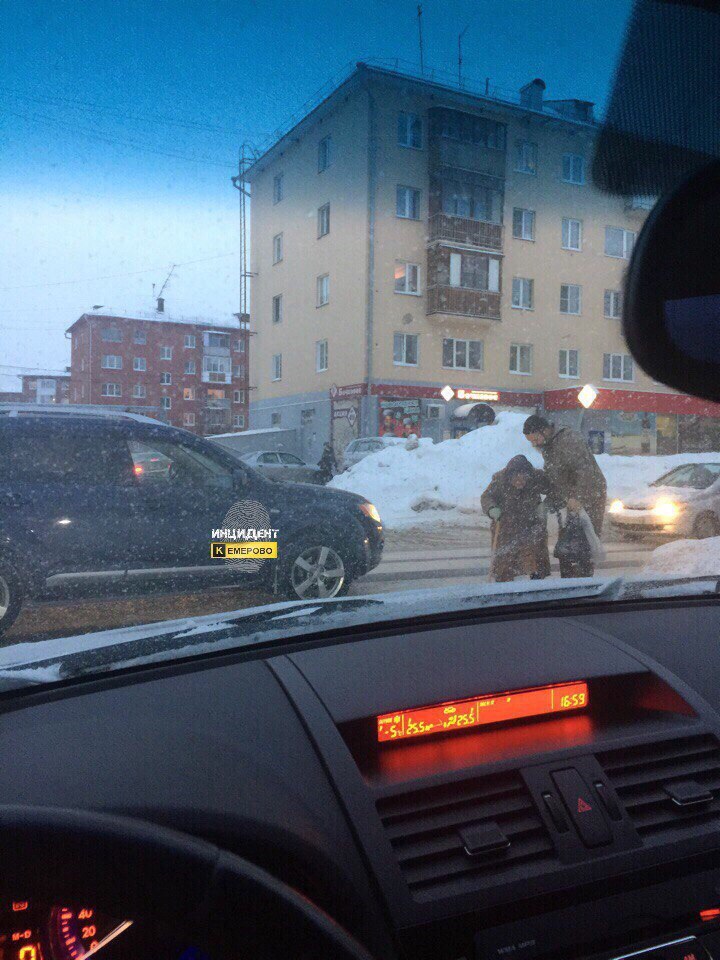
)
(91, 498)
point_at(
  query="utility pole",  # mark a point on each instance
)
(460, 39)
(420, 38)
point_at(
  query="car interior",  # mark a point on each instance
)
(492, 783)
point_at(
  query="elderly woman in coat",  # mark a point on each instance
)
(513, 502)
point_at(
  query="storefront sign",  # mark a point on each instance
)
(353, 390)
(399, 416)
(486, 396)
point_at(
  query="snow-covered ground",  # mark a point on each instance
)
(692, 558)
(441, 483)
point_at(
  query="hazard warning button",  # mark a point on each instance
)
(585, 812)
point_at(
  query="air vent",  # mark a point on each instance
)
(668, 786)
(424, 828)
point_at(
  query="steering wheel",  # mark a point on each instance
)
(215, 900)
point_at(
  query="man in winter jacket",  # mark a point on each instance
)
(519, 529)
(573, 479)
(327, 464)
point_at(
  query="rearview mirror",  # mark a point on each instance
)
(671, 316)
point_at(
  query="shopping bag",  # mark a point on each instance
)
(572, 543)
(597, 550)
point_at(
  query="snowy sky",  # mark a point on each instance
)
(122, 122)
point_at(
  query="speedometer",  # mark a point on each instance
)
(36, 932)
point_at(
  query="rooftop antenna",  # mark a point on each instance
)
(160, 300)
(420, 38)
(460, 39)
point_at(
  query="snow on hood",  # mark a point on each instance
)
(649, 496)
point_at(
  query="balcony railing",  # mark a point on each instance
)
(215, 403)
(463, 302)
(216, 376)
(477, 233)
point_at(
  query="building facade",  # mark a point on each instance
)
(189, 372)
(40, 387)
(409, 237)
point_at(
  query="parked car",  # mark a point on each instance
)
(282, 466)
(79, 504)
(682, 503)
(357, 450)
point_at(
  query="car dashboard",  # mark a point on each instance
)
(525, 787)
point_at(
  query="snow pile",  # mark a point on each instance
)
(438, 482)
(692, 558)
(441, 483)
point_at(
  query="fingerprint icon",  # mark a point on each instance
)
(247, 514)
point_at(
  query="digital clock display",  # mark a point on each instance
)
(476, 712)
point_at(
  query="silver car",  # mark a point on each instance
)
(357, 450)
(682, 503)
(282, 466)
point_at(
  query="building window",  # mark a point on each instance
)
(573, 168)
(526, 157)
(238, 370)
(468, 128)
(613, 304)
(189, 342)
(188, 419)
(277, 308)
(239, 421)
(463, 354)
(190, 367)
(189, 393)
(139, 336)
(432, 411)
(323, 290)
(570, 298)
(325, 154)
(405, 349)
(307, 416)
(523, 224)
(139, 391)
(407, 203)
(166, 353)
(619, 242)
(111, 390)
(473, 201)
(278, 188)
(216, 370)
(407, 277)
(521, 358)
(409, 130)
(321, 356)
(618, 366)
(275, 419)
(165, 403)
(571, 234)
(239, 346)
(474, 271)
(323, 220)
(219, 340)
(277, 366)
(111, 335)
(277, 248)
(569, 363)
(166, 379)
(139, 364)
(523, 291)
(111, 362)
(238, 396)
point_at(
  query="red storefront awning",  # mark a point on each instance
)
(641, 401)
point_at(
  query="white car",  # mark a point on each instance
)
(357, 450)
(682, 503)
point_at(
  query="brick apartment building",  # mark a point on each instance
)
(188, 371)
(40, 386)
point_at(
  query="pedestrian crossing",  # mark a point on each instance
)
(418, 569)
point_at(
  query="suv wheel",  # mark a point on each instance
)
(314, 569)
(10, 598)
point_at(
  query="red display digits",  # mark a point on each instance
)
(491, 708)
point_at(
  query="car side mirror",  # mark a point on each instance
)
(671, 315)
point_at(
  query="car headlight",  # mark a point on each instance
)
(666, 509)
(617, 506)
(370, 510)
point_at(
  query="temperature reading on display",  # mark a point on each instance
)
(491, 708)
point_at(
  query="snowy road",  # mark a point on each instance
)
(405, 569)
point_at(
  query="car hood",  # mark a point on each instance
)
(647, 497)
(288, 491)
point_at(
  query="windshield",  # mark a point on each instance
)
(322, 309)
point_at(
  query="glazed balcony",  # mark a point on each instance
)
(477, 233)
(445, 300)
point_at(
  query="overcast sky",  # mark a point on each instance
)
(122, 123)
